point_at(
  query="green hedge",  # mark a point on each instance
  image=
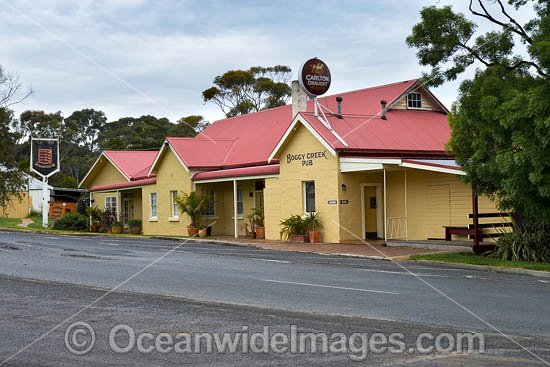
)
(72, 222)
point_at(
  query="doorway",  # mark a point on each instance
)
(371, 210)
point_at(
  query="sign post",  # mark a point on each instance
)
(45, 162)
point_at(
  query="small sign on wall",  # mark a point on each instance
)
(330, 202)
(344, 201)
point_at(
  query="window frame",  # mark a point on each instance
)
(414, 101)
(212, 192)
(153, 218)
(174, 209)
(304, 186)
(241, 202)
(110, 206)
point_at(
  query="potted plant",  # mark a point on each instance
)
(95, 216)
(313, 225)
(259, 222)
(252, 222)
(108, 217)
(294, 229)
(193, 204)
(135, 226)
(116, 228)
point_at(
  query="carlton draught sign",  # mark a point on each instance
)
(45, 156)
(314, 77)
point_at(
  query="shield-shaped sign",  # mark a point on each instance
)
(45, 156)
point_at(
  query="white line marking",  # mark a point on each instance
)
(273, 261)
(329, 286)
(403, 273)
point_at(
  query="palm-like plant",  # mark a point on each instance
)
(193, 205)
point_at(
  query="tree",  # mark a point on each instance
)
(11, 177)
(500, 123)
(146, 132)
(238, 92)
(84, 127)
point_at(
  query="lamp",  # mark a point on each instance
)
(344, 187)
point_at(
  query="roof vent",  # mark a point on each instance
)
(383, 103)
(339, 100)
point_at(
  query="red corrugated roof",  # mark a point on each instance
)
(270, 169)
(250, 139)
(135, 164)
(122, 185)
(404, 130)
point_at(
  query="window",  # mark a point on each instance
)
(309, 196)
(110, 203)
(211, 210)
(240, 202)
(153, 201)
(175, 208)
(414, 100)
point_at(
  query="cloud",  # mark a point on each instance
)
(171, 50)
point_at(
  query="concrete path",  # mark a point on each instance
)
(25, 222)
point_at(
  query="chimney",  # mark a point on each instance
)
(299, 99)
(339, 100)
(383, 103)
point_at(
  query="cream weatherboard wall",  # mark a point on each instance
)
(171, 176)
(222, 222)
(433, 200)
(289, 197)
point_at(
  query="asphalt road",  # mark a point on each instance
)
(221, 288)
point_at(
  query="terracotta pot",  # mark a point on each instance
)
(116, 229)
(135, 229)
(251, 235)
(192, 231)
(202, 232)
(94, 228)
(301, 238)
(314, 236)
(260, 232)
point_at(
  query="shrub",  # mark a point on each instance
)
(294, 225)
(134, 223)
(193, 205)
(523, 245)
(313, 222)
(72, 222)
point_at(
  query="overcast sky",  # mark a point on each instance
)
(131, 57)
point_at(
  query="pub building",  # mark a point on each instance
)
(370, 162)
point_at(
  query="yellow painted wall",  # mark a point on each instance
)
(106, 174)
(223, 223)
(17, 207)
(170, 176)
(272, 209)
(324, 171)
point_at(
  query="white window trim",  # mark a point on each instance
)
(151, 217)
(173, 218)
(111, 197)
(414, 108)
(305, 196)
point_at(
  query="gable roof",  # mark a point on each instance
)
(132, 164)
(250, 139)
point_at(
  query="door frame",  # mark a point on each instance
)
(379, 221)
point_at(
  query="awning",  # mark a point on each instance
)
(243, 173)
(125, 185)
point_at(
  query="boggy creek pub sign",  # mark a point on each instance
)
(306, 159)
(45, 156)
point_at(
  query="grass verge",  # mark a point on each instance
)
(464, 258)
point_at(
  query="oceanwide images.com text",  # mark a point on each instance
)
(80, 339)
